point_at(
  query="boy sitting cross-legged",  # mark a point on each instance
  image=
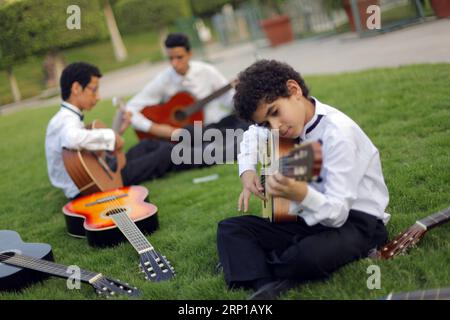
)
(340, 218)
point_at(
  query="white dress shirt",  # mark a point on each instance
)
(66, 130)
(351, 174)
(200, 80)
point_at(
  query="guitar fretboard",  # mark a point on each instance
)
(131, 231)
(197, 106)
(436, 218)
(41, 265)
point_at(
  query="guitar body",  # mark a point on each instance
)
(90, 171)
(275, 208)
(88, 216)
(15, 278)
(301, 162)
(165, 113)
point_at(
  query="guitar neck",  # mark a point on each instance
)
(434, 294)
(49, 267)
(200, 104)
(132, 232)
(436, 219)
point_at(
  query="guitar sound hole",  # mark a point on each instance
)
(6, 255)
(115, 211)
(180, 115)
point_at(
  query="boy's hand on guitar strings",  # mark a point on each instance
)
(251, 184)
(288, 188)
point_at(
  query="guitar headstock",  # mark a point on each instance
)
(119, 103)
(110, 288)
(303, 163)
(155, 266)
(401, 243)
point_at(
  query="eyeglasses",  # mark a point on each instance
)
(94, 90)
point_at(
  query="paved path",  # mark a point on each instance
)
(428, 42)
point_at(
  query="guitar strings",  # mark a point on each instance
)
(130, 227)
(55, 269)
(19, 260)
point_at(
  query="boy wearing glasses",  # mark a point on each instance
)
(79, 91)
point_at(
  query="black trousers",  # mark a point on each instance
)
(251, 248)
(147, 160)
(151, 158)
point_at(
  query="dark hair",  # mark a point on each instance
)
(264, 82)
(174, 40)
(80, 72)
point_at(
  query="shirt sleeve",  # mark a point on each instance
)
(74, 137)
(345, 163)
(151, 94)
(248, 156)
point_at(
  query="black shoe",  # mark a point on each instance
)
(272, 290)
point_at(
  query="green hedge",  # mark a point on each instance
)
(144, 15)
(35, 26)
(206, 8)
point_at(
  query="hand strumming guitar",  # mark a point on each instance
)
(250, 184)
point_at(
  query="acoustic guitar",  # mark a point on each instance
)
(22, 264)
(301, 162)
(181, 110)
(94, 171)
(412, 235)
(107, 218)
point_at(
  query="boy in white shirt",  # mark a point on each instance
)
(80, 92)
(340, 218)
(184, 74)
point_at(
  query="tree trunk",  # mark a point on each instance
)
(53, 67)
(14, 86)
(119, 48)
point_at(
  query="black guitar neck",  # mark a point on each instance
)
(436, 219)
(200, 104)
(45, 266)
(22, 264)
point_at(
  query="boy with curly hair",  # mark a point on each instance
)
(340, 217)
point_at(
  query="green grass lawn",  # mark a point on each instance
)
(406, 112)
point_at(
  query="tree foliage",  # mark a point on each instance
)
(30, 27)
(143, 15)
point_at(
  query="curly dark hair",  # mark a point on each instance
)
(264, 82)
(80, 72)
(174, 40)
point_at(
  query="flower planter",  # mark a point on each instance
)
(278, 30)
(441, 8)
